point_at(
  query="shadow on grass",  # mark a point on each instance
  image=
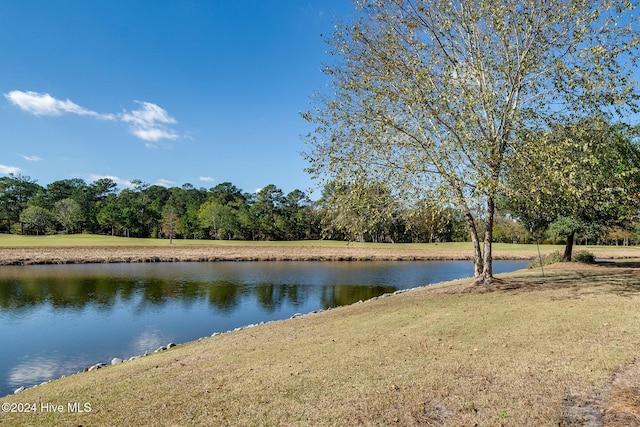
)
(620, 278)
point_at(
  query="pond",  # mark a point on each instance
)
(57, 320)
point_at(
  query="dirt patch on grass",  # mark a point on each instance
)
(621, 407)
(617, 404)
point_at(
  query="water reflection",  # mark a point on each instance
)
(39, 369)
(147, 340)
(71, 291)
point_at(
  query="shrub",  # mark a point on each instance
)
(584, 257)
(547, 259)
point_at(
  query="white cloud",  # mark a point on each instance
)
(115, 179)
(207, 179)
(43, 104)
(40, 369)
(148, 341)
(149, 123)
(164, 182)
(31, 158)
(9, 169)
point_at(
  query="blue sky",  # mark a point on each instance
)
(168, 92)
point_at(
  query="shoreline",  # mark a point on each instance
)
(116, 360)
(133, 254)
(39, 255)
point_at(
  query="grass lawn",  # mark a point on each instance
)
(538, 351)
(62, 240)
(13, 240)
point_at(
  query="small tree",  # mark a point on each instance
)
(68, 213)
(36, 219)
(170, 222)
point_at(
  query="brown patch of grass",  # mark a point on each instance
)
(26, 250)
(81, 248)
(541, 351)
(622, 404)
(114, 254)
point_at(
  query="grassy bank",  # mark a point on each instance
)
(557, 350)
(60, 249)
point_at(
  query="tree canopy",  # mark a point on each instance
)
(428, 96)
(586, 178)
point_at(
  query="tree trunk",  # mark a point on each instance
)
(568, 249)
(477, 252)
(487, 272)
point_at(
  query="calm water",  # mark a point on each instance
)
(56, 320)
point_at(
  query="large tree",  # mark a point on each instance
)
(110, 213)
(427, 95)
(267, 211)
(220, 219)
(15, 194)
(586, 179)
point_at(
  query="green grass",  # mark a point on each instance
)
(13, 240)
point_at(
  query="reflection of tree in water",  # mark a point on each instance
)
(334, 296)
(224, 295)
(104, 292)
(16, 295)
(153, 291)
(271, 296)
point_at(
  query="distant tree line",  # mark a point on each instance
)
(356, 212)
(222, 212)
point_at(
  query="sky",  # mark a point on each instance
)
(168, 92)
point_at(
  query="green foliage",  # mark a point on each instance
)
(565, 226)
(68, 213)
(428, 222)
(587, 178)
(548, 259)
(584, 257)
(15, 194)
(36, 220)
(427, 97)
(359, 210)
(506, 230)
